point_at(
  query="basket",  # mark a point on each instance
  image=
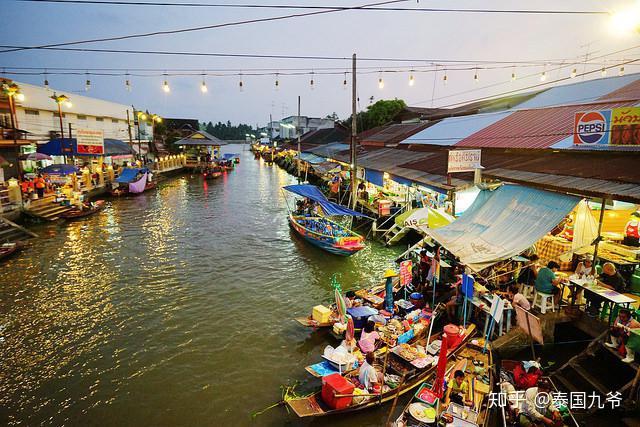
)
(432, 400)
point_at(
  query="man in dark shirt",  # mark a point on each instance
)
(609, 278)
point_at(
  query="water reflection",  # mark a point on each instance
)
(173, 307)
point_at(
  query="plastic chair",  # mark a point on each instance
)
(528, 291)
(635, 283)
(543, 302)
(598, 269)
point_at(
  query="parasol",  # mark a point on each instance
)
(350, 334)
(37, 157)
(341, 305)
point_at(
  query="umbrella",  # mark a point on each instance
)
(37, 157)
(350, 333)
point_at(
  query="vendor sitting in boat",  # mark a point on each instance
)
(459, 389)
(538, 411)
(369, 337)
(350, 300)
(369, 376)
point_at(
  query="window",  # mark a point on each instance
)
(32, 112)
(81, 117)
(99, 119)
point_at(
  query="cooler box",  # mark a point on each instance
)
(453, 333)
(360, 315)
(384, 207)
(336, 384)
(321, 314)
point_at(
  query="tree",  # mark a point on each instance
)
(377, 114)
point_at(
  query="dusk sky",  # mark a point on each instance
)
(377, 34)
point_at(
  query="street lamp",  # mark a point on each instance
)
(61, 99)
(12, 92)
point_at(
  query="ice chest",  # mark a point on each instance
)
(321, 314)
(360, 315)
(336, 384)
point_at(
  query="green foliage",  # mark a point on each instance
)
(227, 131)
(378, 114)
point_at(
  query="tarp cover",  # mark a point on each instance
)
(503, 223)
(59, 169)
(312, 192)
(139, 185)
(129, 174)
(230, 156)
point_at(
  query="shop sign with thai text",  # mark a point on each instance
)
(90, 141)
(464, 160)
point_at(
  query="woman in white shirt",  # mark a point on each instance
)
(586, 268)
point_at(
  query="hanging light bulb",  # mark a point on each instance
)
(513, 77)
(127, 85)
(87, 85)
(344, 82)
(476, 78)
(240, 84)
(277, 81)
(621, 71)
(411, 80)
(203, 87)
(543, 76)
(311, 81)
(603, 72)
(46, 82)
(444, 79)
(574, 73)
(165, 85)
(380, 83)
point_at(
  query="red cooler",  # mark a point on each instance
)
(336, 384)
(453, 333)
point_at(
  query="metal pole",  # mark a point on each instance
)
(299, 151)
(60, 116)
(129, 129)
(354, 133)
(595, 249)
(14, 126)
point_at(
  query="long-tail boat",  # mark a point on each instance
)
(314, 405)
(81, 213)
(318, 229)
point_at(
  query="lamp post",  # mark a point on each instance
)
(11, 91)
(59, 100)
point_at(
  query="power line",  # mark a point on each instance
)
(205, 27)
(303, 7)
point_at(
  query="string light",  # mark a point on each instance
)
(574, 73)
(240, 84)
(87, 84)
(513, 77)
(344, 82)
(543, 76)
(476, 78)
(621, 71)
(444, 79)
(127, 83)
(165, 86)
(411, 80)
(203, 86)
(311, 82)
(46, 82)
(603, 72)
(277, 81)
(380, 81)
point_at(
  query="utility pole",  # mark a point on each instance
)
(298, 132)
(129, 127)
(354, 133)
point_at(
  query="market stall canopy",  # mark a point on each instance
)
(326, 167)
(69, 147)
(312, 158)
(424, 218)
(129, 174)
(502, 223)
(312, 192)
(230, 156)
(60, 169)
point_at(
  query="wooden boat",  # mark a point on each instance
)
(480, 378)
(313, 405)
(326, 234)
(8, 249)
(508, 415)
(80, 213)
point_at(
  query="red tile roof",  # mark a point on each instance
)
(535, 128)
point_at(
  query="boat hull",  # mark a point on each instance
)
(70, 216)
(326, 243)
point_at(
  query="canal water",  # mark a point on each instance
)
(171, 308)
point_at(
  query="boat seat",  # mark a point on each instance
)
(543, 301)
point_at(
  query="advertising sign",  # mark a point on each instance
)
(90, 141)
(618, 126)
(464, 160)
(405, 272)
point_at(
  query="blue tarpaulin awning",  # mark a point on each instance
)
(312, 192)
(59, 169)
(129, 174)
(69, 147)
(503, 223)
(374, 177)
(230, 156)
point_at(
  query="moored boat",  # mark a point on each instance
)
(8, 249)
(315, 405)
(132, 181)
(81, 213)
(318, 229)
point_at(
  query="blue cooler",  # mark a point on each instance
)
(360, 315)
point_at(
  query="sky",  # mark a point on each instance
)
(374, 34)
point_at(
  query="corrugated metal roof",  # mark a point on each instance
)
(583, 186)
(328, 150)
(536, 128)
(454, 129)
(629, 91)
(394, 133)
(581, 92)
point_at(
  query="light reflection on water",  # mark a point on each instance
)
(170, 308)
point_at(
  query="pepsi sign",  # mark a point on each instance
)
(592, 127)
